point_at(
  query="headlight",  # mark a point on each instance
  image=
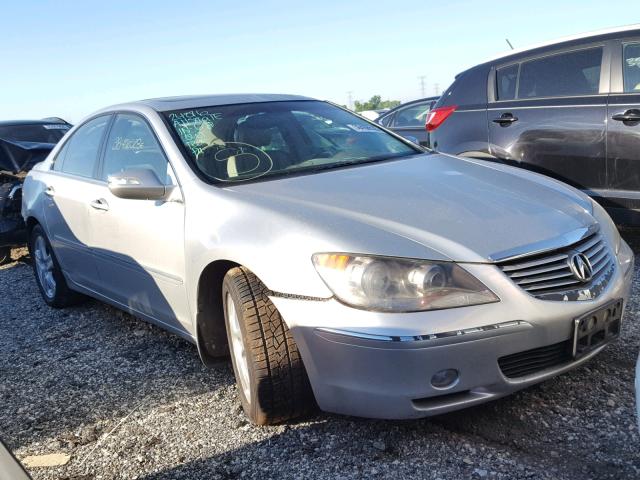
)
(399, 285)
(607, 227)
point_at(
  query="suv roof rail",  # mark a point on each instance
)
(568, 38)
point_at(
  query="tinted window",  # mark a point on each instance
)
(413, 116)
(566, 74)
(232, 143)
(50, 133)
(132, 144)
(468, 89)
(631, 67)
(506, 80)
(80, 153)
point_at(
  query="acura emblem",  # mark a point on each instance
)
(581, 267)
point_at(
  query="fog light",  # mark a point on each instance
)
(445, 378)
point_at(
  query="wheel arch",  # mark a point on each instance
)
(31, 222)
(211, 331)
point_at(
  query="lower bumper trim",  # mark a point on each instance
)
(428, 336)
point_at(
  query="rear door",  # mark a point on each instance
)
(548, 114)
(70, 188)
(623, 139)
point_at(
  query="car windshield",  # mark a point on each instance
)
(40, 133)
(234, 143)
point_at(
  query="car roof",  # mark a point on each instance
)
(198, 101)
(14, 123)
(596, 35)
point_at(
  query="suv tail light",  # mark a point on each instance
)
(438, 115)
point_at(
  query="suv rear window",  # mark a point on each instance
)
(469, 89)
(561, 75)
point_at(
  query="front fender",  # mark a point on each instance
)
(276, 242)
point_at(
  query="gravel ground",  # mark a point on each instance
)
(124, 399)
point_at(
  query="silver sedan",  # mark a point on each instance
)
(336, 262)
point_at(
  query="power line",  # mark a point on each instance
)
(422, 79)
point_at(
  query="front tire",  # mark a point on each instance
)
(49, 277)
(272, 382)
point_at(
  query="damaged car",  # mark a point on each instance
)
(22, 144)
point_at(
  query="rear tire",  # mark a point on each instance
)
(49, 277)
(271, 378)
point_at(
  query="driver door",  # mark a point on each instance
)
(139, 244)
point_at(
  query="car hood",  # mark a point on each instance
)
(464, 209)
(17, 156)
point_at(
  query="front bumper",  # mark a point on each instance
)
(380, 365)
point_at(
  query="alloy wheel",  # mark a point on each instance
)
(237, 347)
(44, 267)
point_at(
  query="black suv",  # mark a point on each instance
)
(570, 109)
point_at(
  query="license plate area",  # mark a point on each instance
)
(596, 328)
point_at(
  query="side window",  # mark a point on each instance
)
(386, 121)
(631, 67)
(79, 155)
(562, 75)
(413, 116)
(131, 144)
(58, 161)
(506, 81)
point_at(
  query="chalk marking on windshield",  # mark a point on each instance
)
(239, 148)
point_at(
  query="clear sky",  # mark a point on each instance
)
(64, 58)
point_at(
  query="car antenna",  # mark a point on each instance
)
(509, 43)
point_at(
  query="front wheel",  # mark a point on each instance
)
(49, 277)
(272, 382)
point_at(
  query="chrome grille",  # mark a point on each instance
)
(549, 273)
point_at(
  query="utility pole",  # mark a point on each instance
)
(350, 97)
(422, 79)
(436, 89)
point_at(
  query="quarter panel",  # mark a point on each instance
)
(464, 132)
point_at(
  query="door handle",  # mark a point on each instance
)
(100, 204)
(505, 119)
(628, 116)
(49, 191)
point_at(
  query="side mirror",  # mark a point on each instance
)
(138, 184)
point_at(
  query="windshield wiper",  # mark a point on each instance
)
(378, 158)
(319, 168)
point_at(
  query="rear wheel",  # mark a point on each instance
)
(272, 382)
(49, 277)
